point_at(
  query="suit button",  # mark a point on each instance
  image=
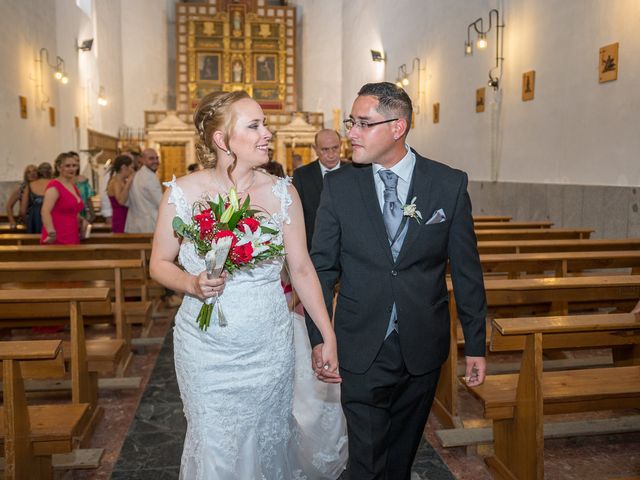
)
(394, 273)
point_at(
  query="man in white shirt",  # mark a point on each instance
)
(145, 195)
(308, 179)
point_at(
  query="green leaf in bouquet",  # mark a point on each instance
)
(246, 203)
(233, 221)
(270, 231)
(180, 227)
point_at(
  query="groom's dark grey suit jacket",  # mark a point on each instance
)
(350, 244)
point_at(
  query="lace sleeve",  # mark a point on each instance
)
(281, 190)
(176, 197)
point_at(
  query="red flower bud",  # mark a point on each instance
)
(252, 223)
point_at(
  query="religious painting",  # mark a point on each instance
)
(436, 112)
(52, 116)
(76, 121)
(480, 98)
(528, 85)
(23, 106)
(208, 67)
(608, 65)
(266, 65)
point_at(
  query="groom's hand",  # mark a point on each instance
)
(318, 366)
(476, 371)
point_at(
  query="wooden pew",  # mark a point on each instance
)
(15, 312)
(491, 218)
(34, 238)
(561, 264)
(553, 296)
(508, 225)
(533, 234)
(83, 273)
(32, 434)
(517, 402)
(541, 246)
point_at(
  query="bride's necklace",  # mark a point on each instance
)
(239, 191)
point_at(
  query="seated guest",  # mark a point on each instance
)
(86, 192)
(61, 220)
(32, 197)
(30, 175)
(120, 181)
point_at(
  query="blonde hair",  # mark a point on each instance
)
(214, 113)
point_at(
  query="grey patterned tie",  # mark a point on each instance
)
(392, 209)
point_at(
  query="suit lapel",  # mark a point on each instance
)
(317, 177)
(421, 189)
(372, 206)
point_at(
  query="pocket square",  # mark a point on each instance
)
(437, 217)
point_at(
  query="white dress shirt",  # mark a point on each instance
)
(324, 169)
(404, 170)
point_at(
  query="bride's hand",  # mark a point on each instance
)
(204, 288)
(329, 372)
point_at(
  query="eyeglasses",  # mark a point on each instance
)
(349, 123)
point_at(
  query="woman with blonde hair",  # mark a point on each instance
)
(33, 196)
(237, 381)
(30, 174)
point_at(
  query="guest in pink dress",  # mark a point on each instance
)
(62, 204)
(120, 181)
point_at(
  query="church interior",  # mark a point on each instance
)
(536, 100)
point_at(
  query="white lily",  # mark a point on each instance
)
(257, 240)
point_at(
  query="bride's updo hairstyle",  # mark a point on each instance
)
(214, 112)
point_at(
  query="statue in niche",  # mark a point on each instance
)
(236, 71)
(236, 24)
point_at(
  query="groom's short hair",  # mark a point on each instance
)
(392, 100)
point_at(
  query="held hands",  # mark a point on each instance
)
(204, 288)
(51, 238)
(324, 361)
(476, 371)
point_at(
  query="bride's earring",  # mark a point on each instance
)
(228, 152)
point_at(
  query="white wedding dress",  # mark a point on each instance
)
(237, 382)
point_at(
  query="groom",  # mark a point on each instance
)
(391, 316)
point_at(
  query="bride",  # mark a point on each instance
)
(237, 382)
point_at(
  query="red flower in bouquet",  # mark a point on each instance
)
(250, 222)
(242, 254)
(205, 222)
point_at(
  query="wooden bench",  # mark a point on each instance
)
(82, 273)
(510, 225)
(517, 402)
(561, 264)
(17, 303)
(548, 296)
(34, 238)
(533, 234)
(540, 246)
(491, 218)
(32, 434)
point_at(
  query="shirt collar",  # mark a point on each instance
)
(404, 168)
(324, 169)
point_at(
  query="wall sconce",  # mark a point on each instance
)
(377, 56)
(102, 98)
(59, 71)
(481, 43)
(402, 79)
(86, 45)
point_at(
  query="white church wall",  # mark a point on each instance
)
(320, 56)
(144, 57)
(575, 131)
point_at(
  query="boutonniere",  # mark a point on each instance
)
(410, 210)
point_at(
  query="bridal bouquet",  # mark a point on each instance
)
(229, 235)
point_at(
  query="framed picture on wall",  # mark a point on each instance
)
(23, 106)
(52, 116)
(266, 65)
(436, 112)
(528, 85)
(608, 64)
(208, 67)
(480, 95)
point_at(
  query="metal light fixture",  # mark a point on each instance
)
(402, 80)
(86, 45)
(59, 70)
(377, 56)
(481, 43)
(102, 98)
